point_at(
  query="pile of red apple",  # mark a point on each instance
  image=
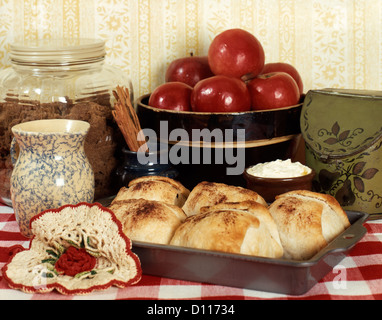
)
(232, 78)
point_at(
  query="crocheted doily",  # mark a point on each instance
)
(99, 251)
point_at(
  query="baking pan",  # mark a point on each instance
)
(249, 272)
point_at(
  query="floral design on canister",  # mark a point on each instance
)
(343, 135)
(51, 169)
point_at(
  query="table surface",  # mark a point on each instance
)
(357, 276)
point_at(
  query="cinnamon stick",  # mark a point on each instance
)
(127, 120)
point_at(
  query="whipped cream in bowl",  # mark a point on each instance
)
(279, 169)
(271, 179)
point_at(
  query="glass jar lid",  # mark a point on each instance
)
(57, 51)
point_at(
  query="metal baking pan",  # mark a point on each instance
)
(249, 272)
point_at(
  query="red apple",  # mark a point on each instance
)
(220, 94)
(172, 96)
(236, 53)
(284, 67)
(273, 90)
(189, 70)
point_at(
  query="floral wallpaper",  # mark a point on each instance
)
(333, 43)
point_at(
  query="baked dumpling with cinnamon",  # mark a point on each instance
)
(244, 227)
(211, 193)
(307, 222)
(148, 220)
(156, 188)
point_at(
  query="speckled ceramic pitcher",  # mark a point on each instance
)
(51, 169)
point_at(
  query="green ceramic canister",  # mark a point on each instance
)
(342, 130)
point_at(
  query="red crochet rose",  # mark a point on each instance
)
(74, 261)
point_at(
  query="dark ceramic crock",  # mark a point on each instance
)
(259, 125)
(269, 135)
(131, 168)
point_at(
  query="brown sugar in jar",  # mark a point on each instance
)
(62, 79)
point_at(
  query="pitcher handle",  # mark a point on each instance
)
(13, 152)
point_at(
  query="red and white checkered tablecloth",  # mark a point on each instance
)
(357, 276)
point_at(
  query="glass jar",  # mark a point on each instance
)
(63, 79)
